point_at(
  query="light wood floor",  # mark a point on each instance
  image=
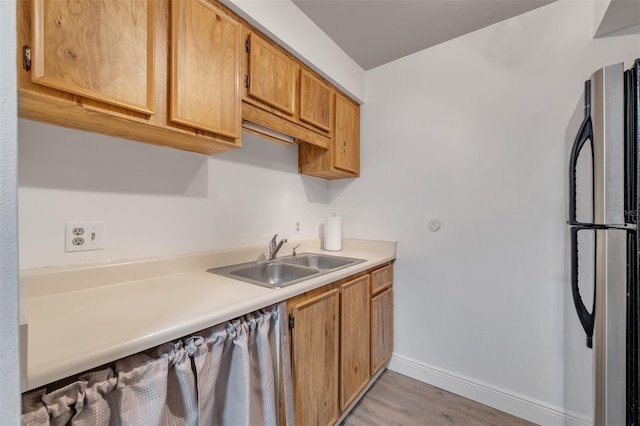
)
(395, 399)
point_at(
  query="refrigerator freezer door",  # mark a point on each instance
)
(607, 116)
(610, 327)
(596, 151)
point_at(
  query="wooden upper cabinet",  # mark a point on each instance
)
(315, 101)
(342, 159)
(282, 95)
(175, 73)
(205, 68)
(346, 137)
(314, 347)
(272, 75)
(106, 66)
(354, 339)
(99, 49)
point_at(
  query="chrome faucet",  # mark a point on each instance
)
(275, 247)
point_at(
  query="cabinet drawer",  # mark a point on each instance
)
(381, 279)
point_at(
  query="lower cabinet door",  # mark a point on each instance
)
(381, 329)
(354, 352)
(314, 340)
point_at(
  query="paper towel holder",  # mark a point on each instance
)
(333, 233)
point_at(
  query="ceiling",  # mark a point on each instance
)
(374, 32)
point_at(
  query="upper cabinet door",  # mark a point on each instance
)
(99, 49)
(205, 68)
(315, 101)
(346, 135)
(272, 76)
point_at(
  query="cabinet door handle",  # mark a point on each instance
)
(585, 133)
(26, 58)
(586, 318)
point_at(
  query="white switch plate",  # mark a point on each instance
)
(83, 236)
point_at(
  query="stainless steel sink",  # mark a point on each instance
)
(274, 274)
(322, 261)
(285, 271)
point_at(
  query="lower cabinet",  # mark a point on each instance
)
(354, 339)
(381, 329)
(314, 359)
(381, 317)
(340, 337)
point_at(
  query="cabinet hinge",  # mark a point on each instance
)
(26, 58)
(247, 45)
(246, 80)
(292, 322)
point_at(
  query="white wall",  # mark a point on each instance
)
(154, 200)
(157, 201)
(9, 364)
(472, 132)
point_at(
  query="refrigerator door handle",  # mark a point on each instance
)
(585, 133)
(586, 318)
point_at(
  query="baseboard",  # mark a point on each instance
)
(501, 399)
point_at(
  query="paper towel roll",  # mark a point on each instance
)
(333, 233)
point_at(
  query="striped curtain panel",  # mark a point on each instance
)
(224, 375)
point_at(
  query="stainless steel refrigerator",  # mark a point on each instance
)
(601, 316)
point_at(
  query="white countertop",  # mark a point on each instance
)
(81, 317)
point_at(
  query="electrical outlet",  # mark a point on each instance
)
(83, 236)
(298, 229)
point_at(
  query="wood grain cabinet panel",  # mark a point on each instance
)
(105, 66)
(381, 278)
(341, 337)
(315, 101)
(342, 159)
(354, 339)
(100, 49)
(174, 73)
(205, 68)
(282, 95)
(381, 329)
(346, 137)
(272, 76)
(314, 347)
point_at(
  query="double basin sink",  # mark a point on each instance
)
(285, 271)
